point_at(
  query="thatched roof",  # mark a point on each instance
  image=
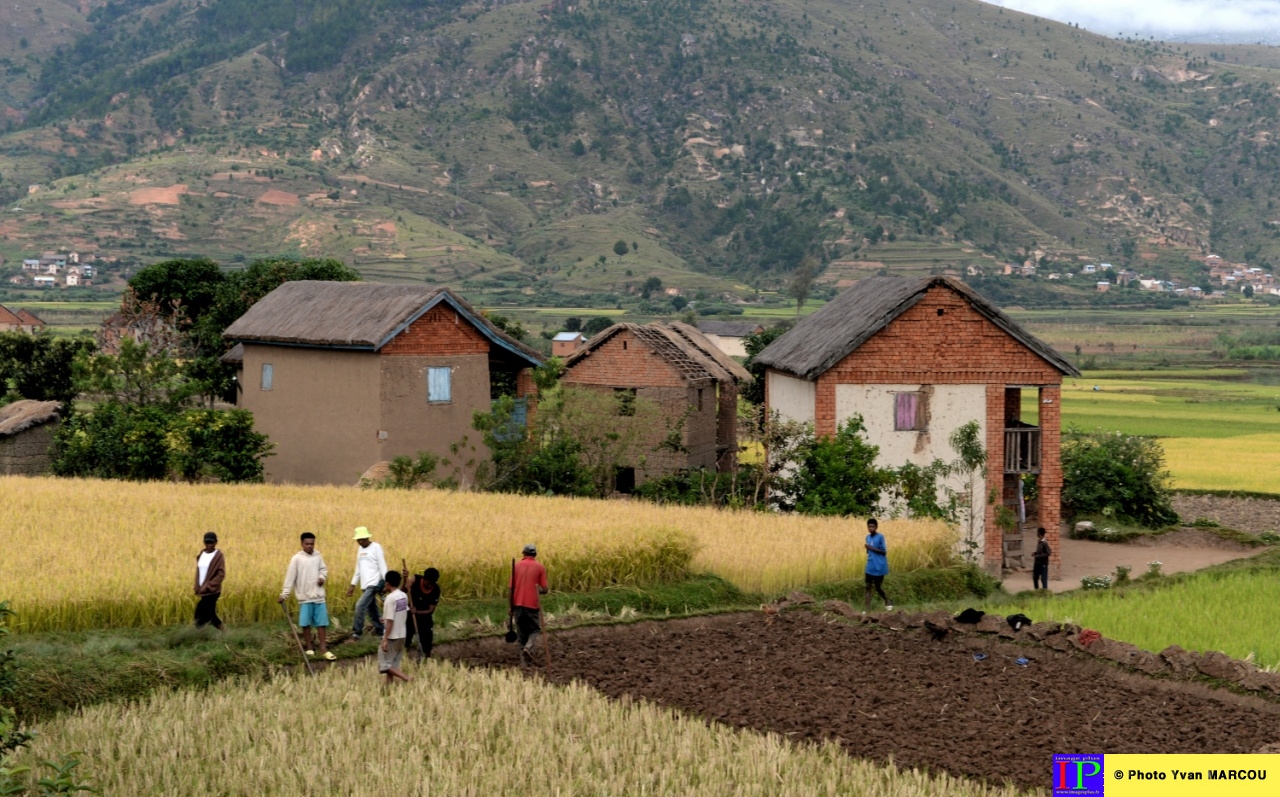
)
(22, 415)
(728, 329)
(696, 358)
(363, 316)
(29, 318)
(825, 338)
(235, 356)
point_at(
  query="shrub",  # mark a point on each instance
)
(836, 475)
(1117, 475)
(1096, 582)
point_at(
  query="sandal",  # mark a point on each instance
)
(328, 656)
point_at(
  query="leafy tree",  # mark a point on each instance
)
(802, 282)
(754, 344)
(620, 248)
(679, 303)
(835, 475)
(39, 367)
(1117, 475)
(596, 324)
(137, 377)
(572, 324)
(194, 285)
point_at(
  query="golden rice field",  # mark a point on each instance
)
(452, 731)
(82, 554)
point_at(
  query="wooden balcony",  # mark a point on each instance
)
(1022, 450)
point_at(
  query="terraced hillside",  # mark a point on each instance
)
(566, 153)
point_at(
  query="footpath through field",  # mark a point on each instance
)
(1178, 552)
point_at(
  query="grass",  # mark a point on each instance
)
(1218, 434)
(1233, 608)
(118, 554)
(462, 731)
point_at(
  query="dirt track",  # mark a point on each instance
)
(893, 694)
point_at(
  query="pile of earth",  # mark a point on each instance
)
(1254, 515)
(962, 704)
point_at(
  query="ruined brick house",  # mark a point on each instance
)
(26, 437)
(917, 359)
(685, 374)
(343, 375)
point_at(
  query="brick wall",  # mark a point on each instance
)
(440, 331)
(27, 453)
(624, 361)
(1050, 481)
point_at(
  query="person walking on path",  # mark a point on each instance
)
(1040, 565)
(528, 582)
(395, 613)
(305, 579)
(424, 596)
(211, 569)
(371, 572)
(877, 564)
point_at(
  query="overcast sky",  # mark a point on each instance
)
(1188, 20)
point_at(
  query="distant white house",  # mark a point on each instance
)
(1104, 286)
(44, 281)
(1089, 269)
(1104, 266)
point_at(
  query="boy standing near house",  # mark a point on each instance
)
(395, 615)
(1040, 567)
(424, 596)
(305, 579)
(371, 569)
(877, 564)
(211, 569)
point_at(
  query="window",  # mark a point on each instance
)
(700, 399)
(908, 412)
(439, 385)
(268, 375)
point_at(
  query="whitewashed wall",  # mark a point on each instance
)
(950, 407)
(791, 397)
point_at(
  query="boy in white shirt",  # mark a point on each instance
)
(395, 617)
(305, 579)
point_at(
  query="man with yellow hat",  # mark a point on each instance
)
(371, 574)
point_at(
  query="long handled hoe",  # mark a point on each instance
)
(297, 639)
(546, 640)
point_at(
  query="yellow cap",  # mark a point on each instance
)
(362, 533)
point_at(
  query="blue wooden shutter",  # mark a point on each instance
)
(268, 376)
(439, 385)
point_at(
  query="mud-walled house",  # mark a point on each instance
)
(27, 430)
(343, 375)
(917, 359)
(693, 383)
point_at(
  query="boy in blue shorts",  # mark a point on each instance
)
(305, 579)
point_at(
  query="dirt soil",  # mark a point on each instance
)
(1179, 551)
(1254, 515)
(884, 694)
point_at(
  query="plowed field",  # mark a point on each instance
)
(899, 694)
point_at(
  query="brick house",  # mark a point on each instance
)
(566, 343)
(730, 336)
(9, 320)
(343, 375)
(685, 374)
(917, 359)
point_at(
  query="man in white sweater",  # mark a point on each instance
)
(371, 572)
(305, 579)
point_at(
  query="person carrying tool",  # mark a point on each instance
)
(528, 582)
(424, 596)
(371, 572)
(305, 579)
(877, 564)
(211, 569)
(395, 613)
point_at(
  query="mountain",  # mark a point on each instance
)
(570, 152)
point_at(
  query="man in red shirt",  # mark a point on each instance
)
(528, 582)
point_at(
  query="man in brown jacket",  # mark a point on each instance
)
(211, 569)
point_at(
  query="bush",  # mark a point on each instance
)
(119, 441)
(837, 475)
(1117, 475)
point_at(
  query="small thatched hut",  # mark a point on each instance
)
(26, 437)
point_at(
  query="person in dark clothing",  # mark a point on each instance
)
(211, 569)
(424, 596)
(1040, 568)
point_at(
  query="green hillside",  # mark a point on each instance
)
(506, 149)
